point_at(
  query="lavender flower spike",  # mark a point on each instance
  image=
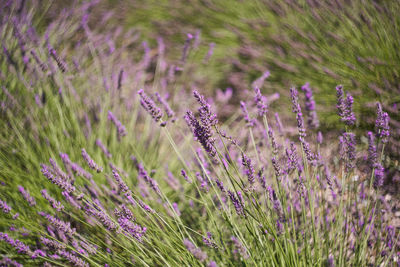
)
(379, 174)
(4, 206)
(78, 262)
(18, 245)
(90, 161)
(103, 148)
(208, 119)
(152, 183)
(236, 203)
(57, 205)
(249, 122)
(350, 118)
(149, 105)
(260, 102)
(382, 124)
(170, 113)
(64, 227)
(30, 199)
(202, 134)
(120, 128)
(197, 252)
(48, 173)
(249, 168)
(312, 120)
(345, 106)
(60, 63)
(350, 151)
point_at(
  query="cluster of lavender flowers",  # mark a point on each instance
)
(262, 197)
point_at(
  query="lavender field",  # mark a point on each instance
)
(199, 133)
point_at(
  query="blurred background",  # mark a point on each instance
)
(325, 43)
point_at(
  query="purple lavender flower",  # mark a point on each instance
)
(209, 53)
(276, 204)
(340, 101)
(60, 63)
(379, 173)
(196, 252)
(49, 174)
(4, 206)
(319, 138)
(207, 117)
(349, 139)
(145, 207)
(125, 221)
(75, 167)
(260, 101)
(261, 178)
(18, 245)
(258, 83)
(120, 128)
(203, 182)
(277, 167)
(170, 113)
(71, 200)
(220, 185)
(91, 249)
(64, 227)
(52, 244)
(300, 126)
(209, 241)
(297, 110)
(57, 170)
(150, 181)
(274, 145)
(345, 106)
(312, 120)
(103, 148)
(8, 262)
(249, 168)
(149, 105)
(90, 161)
(122, 185)
(239, 248)
(212, 264)
(331, 261)
(38, 253)
(57, 205)
(292, 159)
(185, 176)
(78, 262)
(30, 199)
(185, 52)
(249, 122)
(42, 66)
(349, 117)
(100, 215)
(382, 124)
(201, 133)
(236, 203)
(176, 208)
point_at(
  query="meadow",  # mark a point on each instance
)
(138, 134)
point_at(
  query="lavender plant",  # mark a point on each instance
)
(123, 186)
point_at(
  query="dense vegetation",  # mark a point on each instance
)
(118, 148)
